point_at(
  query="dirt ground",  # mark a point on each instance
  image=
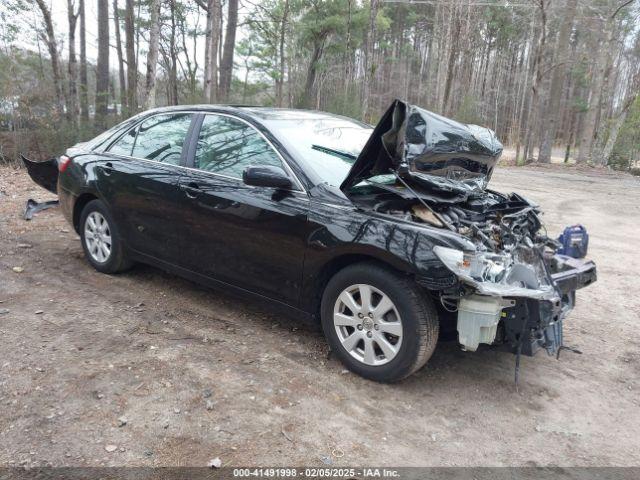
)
(168, 373)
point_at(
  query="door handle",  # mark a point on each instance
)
(107, 169)
(190, 189)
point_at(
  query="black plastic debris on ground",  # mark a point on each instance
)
(33, 207)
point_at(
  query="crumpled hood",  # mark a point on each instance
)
(432, 151)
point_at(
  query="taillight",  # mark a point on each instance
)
(63, 163)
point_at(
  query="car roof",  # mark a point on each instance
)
(265, 114)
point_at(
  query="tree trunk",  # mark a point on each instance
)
(590, 125)
(121, 79)
(52, 46)
(102, 68)
(132, 72)
(369, 66)
(211, 52)
(348, 51)
(308, 95)
(552, 103)
(603, 157)
(137, 41)
(173, 65)
(281, 48)
(557, 83)
(538, 73)
(72, 17)
(450, 64)
(84, 91)
(191, 62)
(226, 65)
(152, 55)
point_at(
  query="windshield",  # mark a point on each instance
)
(327, 144)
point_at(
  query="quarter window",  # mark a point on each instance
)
(124, 145)
(227, 146)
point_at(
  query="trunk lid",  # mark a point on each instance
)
(44, 173)
(427, 150)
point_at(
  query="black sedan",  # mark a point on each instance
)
(387, 236)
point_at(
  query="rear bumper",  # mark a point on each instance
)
(67, 201)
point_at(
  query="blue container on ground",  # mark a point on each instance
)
(575, 241)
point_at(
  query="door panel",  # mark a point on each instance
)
(250, 237)
(146, 203)
(139, 178)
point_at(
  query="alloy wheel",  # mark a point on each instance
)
(368, 324)
(97, 237)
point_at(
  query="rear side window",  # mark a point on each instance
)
(227, 146)
(158, 138)
(124, 146)
(162, 137)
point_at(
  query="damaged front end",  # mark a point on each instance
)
(512, 288)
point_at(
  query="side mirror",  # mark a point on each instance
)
(266, 176)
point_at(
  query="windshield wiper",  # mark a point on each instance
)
(335, 153)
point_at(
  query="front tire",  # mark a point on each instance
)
(379, 323)
(101, 239)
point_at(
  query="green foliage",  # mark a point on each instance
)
(345, 103)
(312, 53)
(332, 28)
(501, 25)
(627, 148)
(27, 122)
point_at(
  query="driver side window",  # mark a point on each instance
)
(227, 146)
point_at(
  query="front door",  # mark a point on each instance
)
(249, 237)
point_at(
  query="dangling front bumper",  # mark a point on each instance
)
(531, 324)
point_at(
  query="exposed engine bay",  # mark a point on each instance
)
(493, 221)
(509, 238)
(510, 286)
(512, 289)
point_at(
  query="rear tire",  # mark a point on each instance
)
(101, 240)
(384, 347)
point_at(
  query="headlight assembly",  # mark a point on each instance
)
(478, 266)
(490, 273)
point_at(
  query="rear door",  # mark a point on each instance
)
(139, 178)
(250, 237)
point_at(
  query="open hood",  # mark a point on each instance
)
(427, 150)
